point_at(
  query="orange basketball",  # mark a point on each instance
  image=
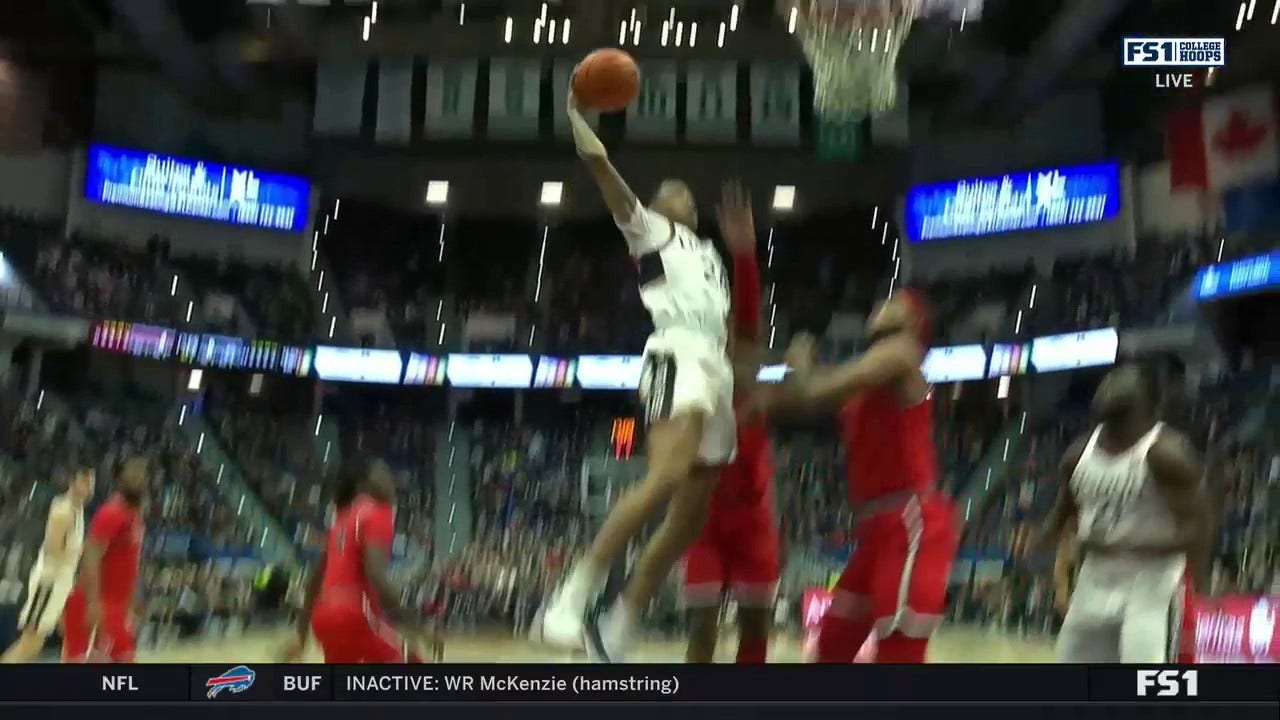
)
(606, 80)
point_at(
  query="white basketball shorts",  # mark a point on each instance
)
(45, 599)
(686, 372)
(1123, 610)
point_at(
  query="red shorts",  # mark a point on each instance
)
(350, 633)
(896, 579)
(737, 553)
(112, 641)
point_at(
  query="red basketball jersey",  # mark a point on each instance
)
(118, 526)
(744, 483)
(889, 446)
(364, 523)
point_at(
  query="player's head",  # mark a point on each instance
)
(134, 479)
(674, 200)
(362, 473)
(1127, 396)
(904, 311)
(82, 483)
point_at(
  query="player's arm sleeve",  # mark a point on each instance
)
(746, 296)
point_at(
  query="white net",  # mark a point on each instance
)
(853, 46)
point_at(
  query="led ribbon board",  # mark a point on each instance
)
(195, 188)
(1053, 197)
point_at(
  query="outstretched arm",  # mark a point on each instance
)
(810, 387)
(737, 228)
(618, 197)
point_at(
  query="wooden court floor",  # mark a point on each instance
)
(950, 645)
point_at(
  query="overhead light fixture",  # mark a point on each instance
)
(720, 37)
(438, 192)
(622, 33)
(507, 29)
(373, 12)
(784, 198)
(564, 32)
(733, 18)
(364, 32)
(551, 194)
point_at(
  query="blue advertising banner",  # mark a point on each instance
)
(195, 188)
(1052, 197)
(1246, 275)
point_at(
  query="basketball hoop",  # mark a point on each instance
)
(853, 46)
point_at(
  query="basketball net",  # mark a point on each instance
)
(853, 46)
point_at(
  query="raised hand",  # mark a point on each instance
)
(800, 355)
(733, 215)
(584, 138)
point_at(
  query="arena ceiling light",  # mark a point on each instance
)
(784, 198)
(438, 192)
(551, 193)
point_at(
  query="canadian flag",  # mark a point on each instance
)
(1226, 142)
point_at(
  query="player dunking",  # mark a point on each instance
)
(54, 573)
(737, 552)
(349, 596)
(1132, 490)
(687, 390)
(98, 622)
(896, 580)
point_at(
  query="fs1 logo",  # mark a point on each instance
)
(1168, 683)
(1175, 52)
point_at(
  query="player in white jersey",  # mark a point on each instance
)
(1132, 491)
(687, 391)
(54, 572)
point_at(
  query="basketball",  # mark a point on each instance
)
(606, 80)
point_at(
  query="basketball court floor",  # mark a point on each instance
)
(951, 645)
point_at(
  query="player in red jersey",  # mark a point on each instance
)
(98, 620)
(349, 596)
(737, 551)
(905, 536)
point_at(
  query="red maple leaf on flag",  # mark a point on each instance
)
(1239, 135)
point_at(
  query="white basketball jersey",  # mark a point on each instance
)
(683, 282)
(47, 571)
(1116, 496)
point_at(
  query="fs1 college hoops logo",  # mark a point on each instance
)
(1177, 56)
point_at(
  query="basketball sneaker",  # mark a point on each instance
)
(559, 623)
(608, 635)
